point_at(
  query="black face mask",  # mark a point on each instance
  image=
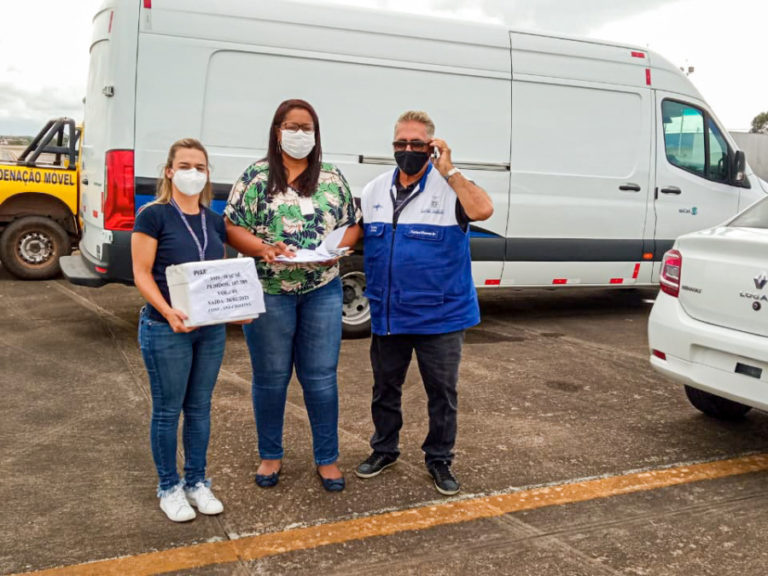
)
(411, 162)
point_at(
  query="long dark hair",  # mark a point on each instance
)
(306, 183)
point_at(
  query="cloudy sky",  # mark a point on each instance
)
(44, 46)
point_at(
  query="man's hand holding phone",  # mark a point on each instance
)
(441, 156)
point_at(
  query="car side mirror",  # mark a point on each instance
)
(739, 167)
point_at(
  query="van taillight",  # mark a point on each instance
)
(118, 203)
(669, 278)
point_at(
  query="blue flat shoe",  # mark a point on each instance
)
(268, 480)
(332, 484)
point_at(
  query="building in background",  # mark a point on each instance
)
(755, 146)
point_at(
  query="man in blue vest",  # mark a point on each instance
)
(419, 284)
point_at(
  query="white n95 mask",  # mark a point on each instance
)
(298, 144)
(190, 182)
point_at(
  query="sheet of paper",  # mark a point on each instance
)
(328, 250)
(306, 257)
(216, 291)
(333, 239)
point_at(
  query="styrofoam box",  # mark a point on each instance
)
(216, 291)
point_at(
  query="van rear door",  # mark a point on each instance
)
(108, 138)
(97, 109)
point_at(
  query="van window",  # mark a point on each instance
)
(684, 136)
(694, 142)
(718, 154)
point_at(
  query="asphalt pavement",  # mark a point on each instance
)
(575, 457)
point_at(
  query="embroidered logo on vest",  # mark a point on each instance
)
(434, 206)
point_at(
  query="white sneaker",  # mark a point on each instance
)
(176, 506)
(203, 499)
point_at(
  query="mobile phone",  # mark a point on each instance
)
(435, 152)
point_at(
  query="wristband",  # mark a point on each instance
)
(451, 172)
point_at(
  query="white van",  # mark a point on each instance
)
(597, 156)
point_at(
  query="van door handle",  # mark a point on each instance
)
(84, 181)
(671, 190)
(630, 187)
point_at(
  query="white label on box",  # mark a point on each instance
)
(216, 291)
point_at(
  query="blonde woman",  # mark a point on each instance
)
(182, 363)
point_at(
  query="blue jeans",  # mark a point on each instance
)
(303, 331)
(182, 370)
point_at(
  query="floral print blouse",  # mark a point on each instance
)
(285, 218)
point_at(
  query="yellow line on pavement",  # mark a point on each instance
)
(422, 518)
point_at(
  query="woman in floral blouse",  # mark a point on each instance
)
(291, 200)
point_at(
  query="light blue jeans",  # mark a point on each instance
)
(301, 331)
(182, 370)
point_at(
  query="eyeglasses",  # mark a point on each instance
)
(294, 127)
(416, 145)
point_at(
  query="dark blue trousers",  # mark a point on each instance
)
(438, 357)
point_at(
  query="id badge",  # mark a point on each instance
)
(306, 205)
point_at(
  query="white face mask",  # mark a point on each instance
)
(190, 182)
(298, 144)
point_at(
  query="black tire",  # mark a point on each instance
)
(715, 406)
(30, 247)
(356, 313)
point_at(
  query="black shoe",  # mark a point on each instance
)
(332, 484)
(373, 466)
(445, 481)
(268, 480)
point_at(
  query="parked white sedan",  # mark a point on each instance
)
(709, 325)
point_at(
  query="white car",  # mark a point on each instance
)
(709, 325)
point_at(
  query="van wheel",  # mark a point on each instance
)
(355, 312)
(30, 248)
(715, 406)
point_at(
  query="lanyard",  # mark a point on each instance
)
(416, 191)
(200, 249)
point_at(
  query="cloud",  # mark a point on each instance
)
(562, 16)
(43, 74)
(24, 110)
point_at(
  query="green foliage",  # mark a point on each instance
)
(760, 124)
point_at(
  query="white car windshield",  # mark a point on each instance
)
(755, 216)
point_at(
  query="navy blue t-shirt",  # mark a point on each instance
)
(174, 243)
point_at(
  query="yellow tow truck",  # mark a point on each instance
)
(39, 197)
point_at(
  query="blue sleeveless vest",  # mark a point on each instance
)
(419, 272)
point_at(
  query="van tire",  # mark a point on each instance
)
(30, 247)
(356, 312)
(716, 406)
